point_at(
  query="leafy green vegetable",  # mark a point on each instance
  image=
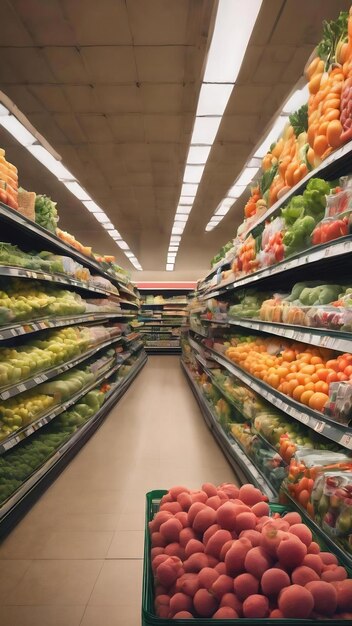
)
(314, 196)
(334, 34)
(299, 120)
(46, 213)
(267, 179)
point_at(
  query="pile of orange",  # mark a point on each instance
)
(296, 370)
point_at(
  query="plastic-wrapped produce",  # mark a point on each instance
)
(331, 500)
(103, 283)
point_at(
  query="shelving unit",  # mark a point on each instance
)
(162, 317)
(125, 348)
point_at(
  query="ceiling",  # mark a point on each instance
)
(113, 86)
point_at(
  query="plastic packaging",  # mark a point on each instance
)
(331, 500)
(339, 407)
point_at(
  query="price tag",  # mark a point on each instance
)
(346, 441)
(30, 430)
(20, 331)
(319, 427)
(13, 332)
(38, 379)
(303, 418)
(21, 387)
(5, 395)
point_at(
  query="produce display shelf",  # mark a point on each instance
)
(14, 507)
(218, 267)
(145, 305)
(233, 451)
(26, 431)
(343, 557)
(31, 230)
(60, 279)
(162, 349)
(316, 421)
(41, 377)
(321, 337)
(337, 164)
(126, 304)
(37, 325)
(339, 248)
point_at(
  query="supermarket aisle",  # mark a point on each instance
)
(76, 558)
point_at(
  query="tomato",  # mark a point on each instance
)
(333, 364)
(332, 378)
(343, 363)
(341, 376)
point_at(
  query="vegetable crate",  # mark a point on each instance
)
(148, 615)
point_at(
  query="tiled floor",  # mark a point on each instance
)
(76, 558)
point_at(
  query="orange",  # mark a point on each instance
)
(332, 377)
(322, 386)
(294, 367)
(333, 364)
(323, 373)
(289, 355)
(308, 369)
(318, 400)
(297, 393)
(309, 386)
(342, 376)
(291, 386)
(315, 360)
(282, 372)
(315, 378)
(306, 396)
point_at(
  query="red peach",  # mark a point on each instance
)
(256, 606)
(160, 558)
(250, 495)
(324, 596)
(156, 552)
(162, 611)
(180, 602)
(225, 612)
(158, 541)
(235, 558)
(214, 502)
(204, 518)
(216, 542)
(273, 581)
(166, 574)
(171, 529)
(302, 532)
(296, 601)
(260, 509)
(183, 615)
(231, 490)
(207, 576)
(183, 518)
(314, 561)
(193, 546)
(253, 536)
(212, 561)
(276, 614)
(303, 575)
(172, 507)
(328, 558)
(223, 584)
(314, 548)
(204, 603)
(256, 562)
(210, 532)
(166, 498)
(339, 573)
(245, 521)
(209, 489)
(220, 568)
(194, 509)
(196, 562)
(186, 535)
(291, 552)
(230, 599)
(160, 518)
(199, 496)
(292, 518)
(225, 548)
(175, 491)
(188, 584)
(223, 495)
(271, 538)
(245, 585)
(174, 549)
(184, 500)
(226, 515)
(344, 595)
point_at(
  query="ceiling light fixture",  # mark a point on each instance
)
(169, 267)
(44, 153)
(234, 24)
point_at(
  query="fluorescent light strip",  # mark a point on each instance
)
(234, 24)
(33, 144)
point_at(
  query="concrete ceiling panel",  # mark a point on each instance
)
(110, 64)
(66, 64)
(46, 22)
(161, 22)
(118, 99)
(161, 64)
(99, 23)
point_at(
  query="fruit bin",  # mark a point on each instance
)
(150, 619)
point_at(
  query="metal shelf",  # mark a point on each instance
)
(145, 305)
(34, 326)
(314, 420)
(232, 450)
(41, 377)
(318, 254)
(321, 337)
(31, 230)
(22, 498)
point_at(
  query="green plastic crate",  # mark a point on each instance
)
(148, 615)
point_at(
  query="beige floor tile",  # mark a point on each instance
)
(131, 522)
(127, 544)
(111, 616)
(78, 544)
(41, 616)
(24, 542)
(119, 584)
(74, 521)
(11, 573)
(56, 583)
